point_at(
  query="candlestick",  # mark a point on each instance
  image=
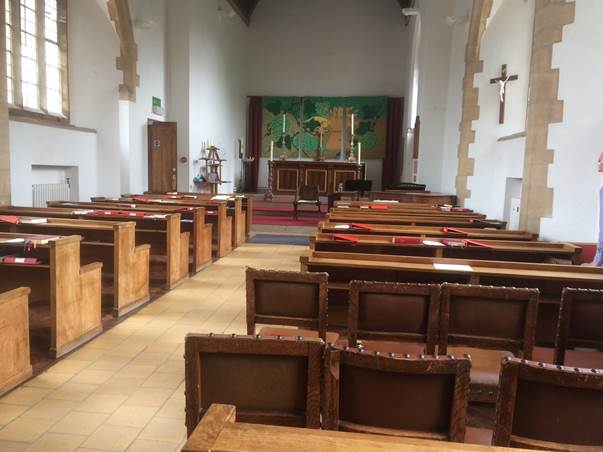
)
(352, 123)
(320, 140)
(271, 150)
(283, 125)
(359, 151)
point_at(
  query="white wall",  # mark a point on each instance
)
(507, 39)
(578, 140)
(327, 48)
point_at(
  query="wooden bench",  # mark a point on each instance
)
(550, 279)
(161, 231)
(522, 251)
(423, 231)
(385, 209)
(72, 292)
(220, 430)
(216, 213)
(431, 198)
(125, 265)
(418, 220)
(247, 203)
(192, 220)
(14, 338)
(403, 206)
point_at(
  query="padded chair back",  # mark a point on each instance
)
(287, 298)
(580, 321)
(308, 193)
(269, 380)
(394, 312)
(419, 396)
(500, 318)
(543, 406)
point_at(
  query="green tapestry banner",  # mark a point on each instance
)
(323, 126)
(370, 124)
(281, 114)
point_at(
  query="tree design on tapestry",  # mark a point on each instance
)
(322, 116)
(370, 120)
(279, 113)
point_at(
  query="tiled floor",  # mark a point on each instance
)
(125, 389)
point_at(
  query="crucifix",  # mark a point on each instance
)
(502, 85)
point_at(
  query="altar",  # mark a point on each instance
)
(287, 175)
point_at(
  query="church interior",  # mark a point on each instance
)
(302, 225)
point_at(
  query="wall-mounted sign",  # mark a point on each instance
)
(157, 107)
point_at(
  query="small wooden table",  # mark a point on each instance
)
(219, 431)
(288, 175)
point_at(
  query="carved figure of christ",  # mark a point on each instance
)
(502, 83)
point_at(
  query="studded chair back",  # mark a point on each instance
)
(269, 380)
(401, 395)
(544, 406)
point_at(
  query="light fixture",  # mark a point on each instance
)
(410, 12)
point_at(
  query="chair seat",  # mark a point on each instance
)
(281, 331)
(589, 359)
(477, 435)
(307, 201)
(485, 364)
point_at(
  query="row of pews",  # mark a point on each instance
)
(421, 310)
(67, 269)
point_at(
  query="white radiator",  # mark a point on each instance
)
(49, 192)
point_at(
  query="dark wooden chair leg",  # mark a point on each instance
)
(295, 211)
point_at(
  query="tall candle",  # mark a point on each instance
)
(352, 123)
(271, 150)
(283, 123)
(359, 151)
(321, 141)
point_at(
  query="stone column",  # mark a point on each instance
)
(4, 138)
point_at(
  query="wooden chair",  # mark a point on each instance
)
(487, 323)
(543, 406)
(580, 326)
(418, 396)
(396, 317)
(269, 380)
(288, 298)
(306, 195)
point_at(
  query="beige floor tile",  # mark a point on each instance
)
(55, 442)
(149, 397)
(79, 423)
(50, 410)
(113, 363)
(48, 380)
(93, 376)
(73, 391)
(173, 408)
(25, 430)
(25, 396)
(172, 366)
(69, 366)
(111, 437)
(142, 445)
(150, 358)
(136, 371)
(10, 412)
(87, 354)
(12, 446)
(163, 380)
(163, 429)
(101, 403)
(125, 386)
(132, 416)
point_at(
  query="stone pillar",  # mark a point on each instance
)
(4, 132)
(544, 108)
(470, 107)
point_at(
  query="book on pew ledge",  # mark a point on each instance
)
(379, 207)
(343, 206)
(455, 231)
(19, 260)
(432, 243)
(364, 207)
(407, 240)
(454, 267)
(342, 226)
(386, 201)
(11, 241)
(82, 212)
(345, 238)
(12, 219)
(362, 226)
(220, 198)
(32, 220)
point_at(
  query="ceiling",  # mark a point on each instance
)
(245, 8)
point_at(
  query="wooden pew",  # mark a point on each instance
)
(401, 206)
(247, 203)
(550, 279)
(414, 197)
(192, 220)
(110, 242)
(73, 292)
(361, 212)
(522, 251)
(14, 338)
(410, 220)
(215, 212)
(424, 231)
(219, 430)
(161, 231)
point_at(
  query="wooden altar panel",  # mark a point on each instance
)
(288, 174)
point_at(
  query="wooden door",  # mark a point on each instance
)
(163, 157)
